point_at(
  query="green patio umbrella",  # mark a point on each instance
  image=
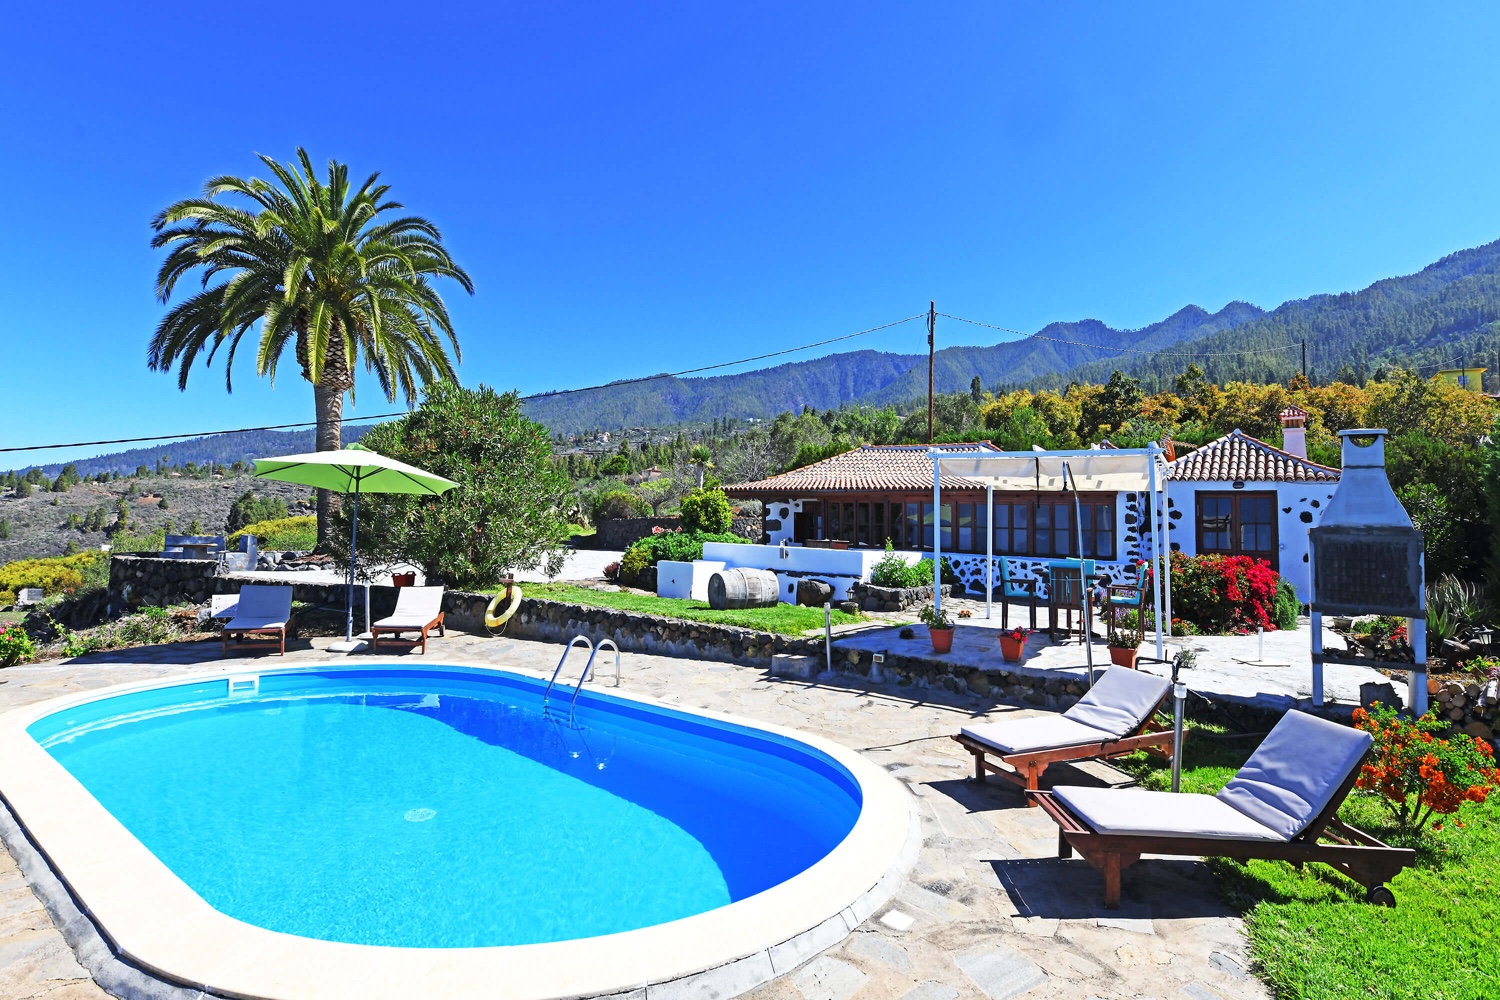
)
(352, 469)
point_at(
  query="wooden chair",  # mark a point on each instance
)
(1114, 718)
(263, 611)
(1069, 582)
(1122, 597)
(1010, 587)
(418, 609)
(1281, 806)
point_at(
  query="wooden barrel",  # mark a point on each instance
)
(742, 588)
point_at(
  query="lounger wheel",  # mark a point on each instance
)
(1380, 895)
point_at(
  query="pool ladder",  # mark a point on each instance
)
(587, 672)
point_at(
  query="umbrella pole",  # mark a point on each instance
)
(353, 548)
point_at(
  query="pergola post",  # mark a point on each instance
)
(937, 536)
(989, 550)
(1157, 543)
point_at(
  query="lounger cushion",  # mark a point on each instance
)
(1136, 811)
(416, 607)
(1041, 733)
(1295, 771)
(265, 601)
(1119, 701)
(242, 623)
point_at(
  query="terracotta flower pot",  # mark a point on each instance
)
(1012, 649)
(1124, 656)
(942, 639)
(404, 579)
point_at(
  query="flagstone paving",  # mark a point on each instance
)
(988, 911)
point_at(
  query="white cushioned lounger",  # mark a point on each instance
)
(1282, 788)
(1116, 706)
(415, 607)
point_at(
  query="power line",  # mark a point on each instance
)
(1123, 350)
(538, 395)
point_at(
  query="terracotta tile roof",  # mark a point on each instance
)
(1238, 456)
(871, 467)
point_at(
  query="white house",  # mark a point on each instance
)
(1236, 495)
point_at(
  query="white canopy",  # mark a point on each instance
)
(1111, 469)
(1141, 470)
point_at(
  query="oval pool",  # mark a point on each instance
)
(445, 808)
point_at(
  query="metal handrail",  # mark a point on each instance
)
(571, 643)
(611, 644)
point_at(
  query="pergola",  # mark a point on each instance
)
(1141, 470)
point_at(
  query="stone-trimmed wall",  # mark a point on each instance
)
(872, 598)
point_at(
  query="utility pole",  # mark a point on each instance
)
(931, 350)
(1304, 359)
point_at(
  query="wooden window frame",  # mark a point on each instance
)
(1235, 497)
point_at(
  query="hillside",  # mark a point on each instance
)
(220, 449)
(865, 376)
(1446, 311)
(38, 523)
(1450, 310)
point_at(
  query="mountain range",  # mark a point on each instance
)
(1449, 312)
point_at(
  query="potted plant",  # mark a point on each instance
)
(939, 628)
(1013, 644)
(1125, 630)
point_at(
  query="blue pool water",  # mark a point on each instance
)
(441, 807)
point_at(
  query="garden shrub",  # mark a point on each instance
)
(1222, 594)
(299, 533)
(673, 546)
(249, 509)
(706, 511)
(65, 574)
(617, 503)
(1418, 772)
(893, 571)
(1286, 607)
(15, 646)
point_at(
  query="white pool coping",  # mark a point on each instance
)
(152, 919)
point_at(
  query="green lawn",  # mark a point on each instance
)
(1311, 934)
(579, 531)
(785, 619)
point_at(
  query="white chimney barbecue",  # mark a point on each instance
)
(1367, 559)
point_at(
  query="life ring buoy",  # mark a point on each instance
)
(492, 620)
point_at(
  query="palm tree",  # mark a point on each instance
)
(703, 459)
(315, 264)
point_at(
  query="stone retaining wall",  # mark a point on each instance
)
(1473, 706)
(872, 598)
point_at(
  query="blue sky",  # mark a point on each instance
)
(648, 187)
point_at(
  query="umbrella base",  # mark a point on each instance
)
(349, 646)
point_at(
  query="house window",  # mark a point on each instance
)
(1098, 531)
(1054, 529)
(913, 530)
(878, 534)
(966, 535)
(862, 524)
(1013, 529)
(1238, 524)
(946, 526)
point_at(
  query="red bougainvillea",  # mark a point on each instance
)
(1420, 773)
(1224, 593)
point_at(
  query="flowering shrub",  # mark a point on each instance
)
(1016, 634)
(893, 571)
(15, 646)
(1417, 771)
(1220, 594)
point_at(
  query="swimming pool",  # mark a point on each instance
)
(443, 811)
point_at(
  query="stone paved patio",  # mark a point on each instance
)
(988, 911)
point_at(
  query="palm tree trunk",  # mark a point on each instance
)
(330, 406)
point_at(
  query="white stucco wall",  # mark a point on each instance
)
(781, 511)
(1299, 506)
(840, 568)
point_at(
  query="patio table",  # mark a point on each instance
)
(1067, 588)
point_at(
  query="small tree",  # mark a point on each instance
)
(23, 489)
(706, 511)
(509, 510)
(4, 529)
(251, 509)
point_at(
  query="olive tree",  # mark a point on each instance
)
(508, 512)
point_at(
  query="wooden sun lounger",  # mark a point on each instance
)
(1024, 768)
(1326, 839)
(418, 609)
(261, 612)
